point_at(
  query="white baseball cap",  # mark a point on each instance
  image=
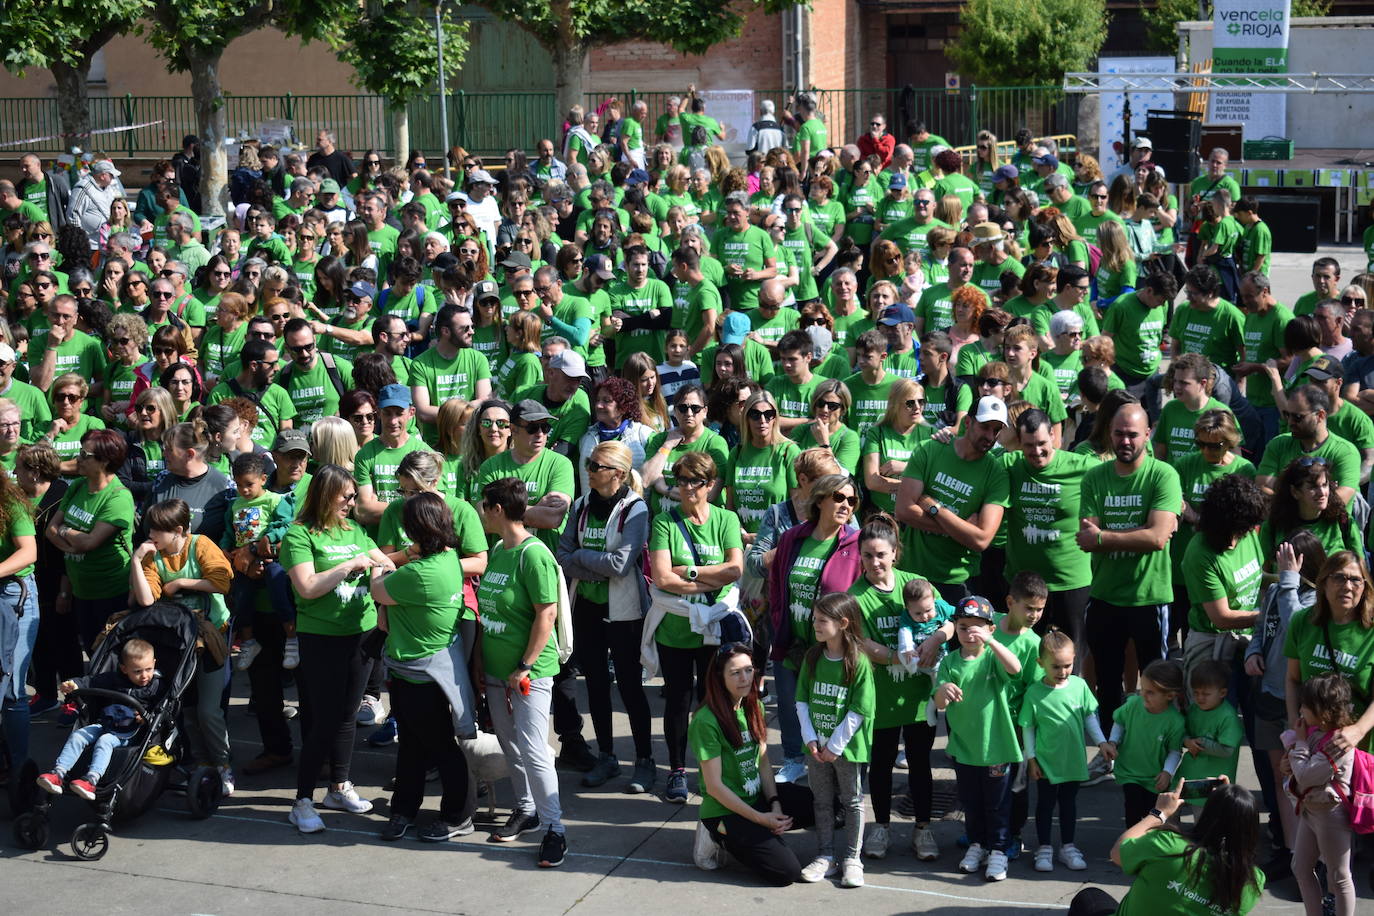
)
(989, 409)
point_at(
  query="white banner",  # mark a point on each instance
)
(734, 109)
(1250, 36)
(1111, 110)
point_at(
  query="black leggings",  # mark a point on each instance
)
(1046, 795)
(424, 724)
(265, 687)
(57, 653)
(1110, 628)
(598, 639)
(684, 683)
(756, 847)
(331, 678)
(1092, 901)
(1137, 801)
(919, 738)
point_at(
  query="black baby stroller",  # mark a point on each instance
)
(139, 770)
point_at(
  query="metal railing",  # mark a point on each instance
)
(492, 122)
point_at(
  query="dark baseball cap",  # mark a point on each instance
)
(1324, 368)
(976, 607)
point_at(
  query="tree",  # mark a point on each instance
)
(63, 36)
(1028, 42)
(570, 29)
(1161, 21)
(391, 46)
(191, 36)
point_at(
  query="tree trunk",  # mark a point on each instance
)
(400, 128)
(73, 112)
(569, 65)
(212, 127)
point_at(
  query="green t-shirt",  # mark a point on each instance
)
(274, 406)
(900, 695)
(830, 699)
(1063, 371)
(1174, 429)
(1042, 391)
(739, 766)
(1164, 885)
(1224, 233)
(962, 487)
(1058, 715)
(376, 465)
(889, 445)
(1025, 645)
(773, 329)
(803, 586)
(1217, 334)
(1256, 241)
(447, 378)
(466, 525)
(1124, 503)
(1195, 475)
(312, 391)
(691, 303)
(750, 249)
(812, 129)
(988, 276)
(1221, 725)
(868, 402)
(1342, 458)
(713, 538)
(1210, 576)
(35, 416)
(346, 610)
(1332, 534)
(1352, 647)
(982, 730)
(79, 353)
(219, 348)
(429, 601)
(548, 472)
(910, 235)
(1042, 520)
(758, 478)
(793, 399)
(21, 524)
(104, 571)
(710, 442)
(653, 295)
(1147, 740)
(844, 444)
(520, 370)
(1263, 336)
(68, 444)
(516, 579)
(1352, 425)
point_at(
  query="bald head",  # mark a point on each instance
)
(1130, 433)
(773, 293)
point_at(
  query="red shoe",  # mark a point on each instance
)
(67, 714)
(82, 788)
(50, 783)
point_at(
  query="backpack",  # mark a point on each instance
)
(331, 369)
(620, 529)
(562, 622)
(1359, 802)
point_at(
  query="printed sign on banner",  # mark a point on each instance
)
(1110, 112)
(734, 109)
(1250, 36)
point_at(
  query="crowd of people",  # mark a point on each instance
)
(878, 431)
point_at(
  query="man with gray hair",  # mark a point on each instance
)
(328, 157)
(1331, 319)
(1074, 206)
(185, 246)
(668, 128)
(48, 191)
(89, 206)
(1265, 320)
(1359, 365)
(765, 133)
(123, 245)
(632, 134)
(298, 201)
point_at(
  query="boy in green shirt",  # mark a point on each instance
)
(1212, 725)
(1026, 600)
(250, 515)
(973, 687)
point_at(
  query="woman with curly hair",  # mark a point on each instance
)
(1305, 498)
(969, 303)
(616, 417)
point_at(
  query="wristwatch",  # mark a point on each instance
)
(523, 667)
(691, 574)
(933, 509)
(1155, 812)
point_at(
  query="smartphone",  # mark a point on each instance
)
(1200, 788)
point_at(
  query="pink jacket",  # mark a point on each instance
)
(1314, 772)
(841, 570)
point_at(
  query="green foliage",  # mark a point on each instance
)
(188, 30)
(689, 26)
(1028, 42)
(41, 33)
(391, 46)
(1162, 19)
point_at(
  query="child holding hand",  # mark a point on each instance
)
(1147, 735)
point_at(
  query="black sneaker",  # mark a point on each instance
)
(575, 755)
(440, 830)
(644, 775)
(396, 827)
(677, 787)
(607, 767)
(515, 825)
(552, 850)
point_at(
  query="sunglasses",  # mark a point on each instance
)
(537, 429)
(364, 418)
(164, 351)
(923, 203)
(690, 409)
(767, 416)
(489, 423)
(830, 406)
(67, 397)
(349, 497)
(840, 499)
(593, 467)
(43, 285)
(86, 291)
(1098, 196)
(123, 341)
(167, 273)
(692, 483)
(1309, 460)
(42, 256)
(163, 294)
(137, 283)
(302, 348)
(146, 408)
(1352, 300)
(915, 403)
(1208, 446)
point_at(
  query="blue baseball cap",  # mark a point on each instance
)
(736, 327)
(897, 314)
(394, 396)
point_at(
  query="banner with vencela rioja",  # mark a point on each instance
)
(1250, 36)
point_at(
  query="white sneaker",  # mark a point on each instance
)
(1099, 770)
(706, 852)
(923, 844)
(793, 770)
(1072, 856)
(1044, 858)
(852, 873)
(900, 762)
(291, 655)
(370, 711)
(820, 869)
(226, 780)
(997, 866)
(304, 818)
(875, 844)
(347, 799)
(932, 714)
(248, 650)
(973, 859)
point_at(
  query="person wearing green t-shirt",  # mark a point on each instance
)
(1135, 322)
(762, 469)
(887, 445)
(548, 476)
(870, 385)
(1265, 321)
(689, 434)
(746, 251)
(450, 368)
(309, 379)
(952, 498)
(376, 465)
(518, 604)
(258, 368)
(429, 666)
(935, 309)
(972, 686)
(1256, 241)
(1310, 440)
(696, 556)
(811, 135)
(1192, 376)
(1129, 510)
(1209, 324)
(836, 702)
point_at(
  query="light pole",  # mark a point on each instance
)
(443, 92)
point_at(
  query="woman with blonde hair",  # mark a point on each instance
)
(949, 209)
(1086, 171)
(153, 414)
(452, 428)
(521, 368)
(333, 441)
(642, 372)
(830, 406)
(1117, 272)
(986, 161)
(889, 443)
(1066, 237)
(886, 263)
(761, 470)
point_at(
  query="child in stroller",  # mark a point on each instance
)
(137, 676)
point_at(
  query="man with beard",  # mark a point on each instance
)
(1129, 510)
(257, 369)
(1308, 437)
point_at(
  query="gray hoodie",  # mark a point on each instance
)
(1281, 600)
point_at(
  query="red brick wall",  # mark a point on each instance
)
(751, 61)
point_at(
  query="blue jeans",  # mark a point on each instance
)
(785, 683)
(985, 795)
(19, 620)
(104, 746)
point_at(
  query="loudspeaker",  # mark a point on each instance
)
(1293, 219)
(1176, 130)
(1179, 165)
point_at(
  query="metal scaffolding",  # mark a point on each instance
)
(1294, 83)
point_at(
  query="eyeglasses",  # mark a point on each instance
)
(67, 397)
(1082, 289)
(923, 203)
(489, 423)
(281, 316)
(537, 429)
(593, 467)
(1098, 196)
(984, 146)
(306, 236)
(993, 382)
(302, 348)
(1352, 300)
(840, 499)
(1293, 416)
(146, 408)
(80, 455)
(167, 274)
(524, 242)
(13, 425)
(363, 418)
(875, 124)
(267, 363)
(349, 497)
(829, 406)
(135, 281)
(689, 409)
(82, 291)
(915, 403)
(791, 210)
(41, 235)
(43, 284)
(692, 483)
(123, 341)
(42, 255)
(767, 416)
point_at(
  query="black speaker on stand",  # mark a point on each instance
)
(1176, 136)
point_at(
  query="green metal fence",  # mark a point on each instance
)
(491, 122)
